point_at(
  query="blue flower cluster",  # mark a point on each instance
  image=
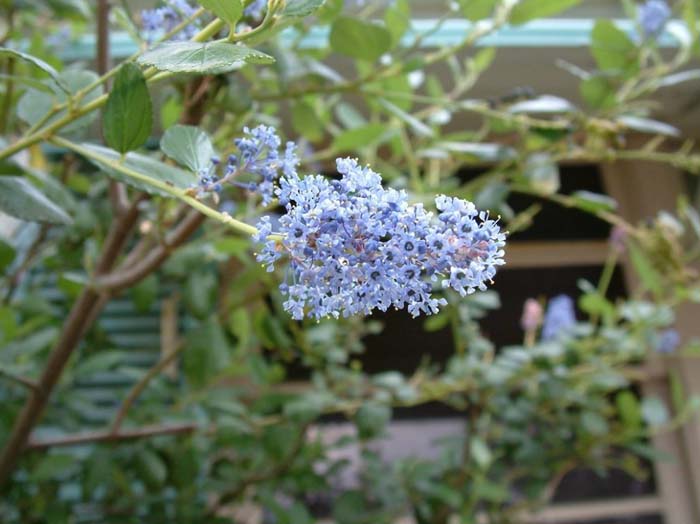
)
(164, 19)
(559, 317)
(354, 246)
(255, 9)
(653, 16)
(668, 341)
(258, 154)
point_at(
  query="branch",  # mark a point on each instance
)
(83, 313)
(128, 276)
(20, 379)
(109, 436)
(140, 386)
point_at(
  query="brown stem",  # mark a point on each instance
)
(128, 276)
(109, 436)
(20, 379)
(84, 311)
(140, 386)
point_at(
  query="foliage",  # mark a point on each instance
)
(136, 226)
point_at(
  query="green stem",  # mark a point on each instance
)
(47, 132)
(181, 194)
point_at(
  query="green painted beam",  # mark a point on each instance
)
(554, 32)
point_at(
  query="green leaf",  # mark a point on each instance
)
(207, 352)
(188, 146)
(527, 10)
(416, 125)
(476, 10)
(592, 202)
(353, 139)
(647, 125)
(358, 39)
(145, 293)
(7, 254)
(597, 92)
(371, 419)
(20, 199)
(153, 469)
(209, 58)
(128, 115)
(612, 48)
(301, 8)
(542, 173)
(398, 19)
(37, 62)
(35, 104)
(629, 410)
(306, 122)
(480, 451)
(199, 293)
(545, 104)
(648, 275)
(594, 423)
(654, 411)
(229, 11)
(144, 165)
(53, 467)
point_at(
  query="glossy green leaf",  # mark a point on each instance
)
(612, 49)
(145, 293)
(629, 410)
(353, 139)
(146, 166)
(301, 8)
(207, 352)
(306, 122)
(418, 127)
(542, 173)
(128, 114)
(229, 11)
(527, 10)
(398, 19)
(654, 411)
(39, 63)
(188, 146)
(475, 10)
(597, 92)
(7, 254)
(593, 202)
(647, 125)
(371, 419)
(358, 39)
(209, 58)
(20, 199)
(648, 275)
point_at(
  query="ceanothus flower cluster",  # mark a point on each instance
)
(165, 19)
(559, 317)
(355, 246)
(653, 16)
(259, 154)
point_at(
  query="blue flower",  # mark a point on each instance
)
(653, 16)
(165, 19)
(559, 317)
(258, 154)
(255, 9)
(354, 246)
(668, 341)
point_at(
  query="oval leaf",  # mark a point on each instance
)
(357, 39)
(145, 165)
(210, 58)
(36, 62)
(128, 116)
(21, 199)
(189, 146)
(229, 11)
